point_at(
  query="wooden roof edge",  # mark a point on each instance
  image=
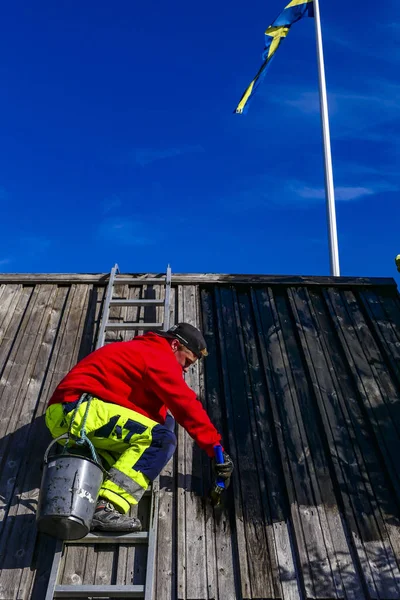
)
(201, 278)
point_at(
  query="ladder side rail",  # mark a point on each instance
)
(155, 497)
(152, 547)
(106, 310)
(167, 298)
(55, 568)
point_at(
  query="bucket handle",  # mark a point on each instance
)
(63, 437)
(60, 437)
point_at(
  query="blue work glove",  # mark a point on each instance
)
(223, 470)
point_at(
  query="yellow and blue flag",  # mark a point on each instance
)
(276, 32)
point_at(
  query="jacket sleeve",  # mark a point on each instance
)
(166, 381)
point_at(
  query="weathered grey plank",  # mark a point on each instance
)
(15, 482)
(165, 570)
(117, 314)
(72, 305)
(390, 302)
(166, 577)
(226, 575)
(357, 458)
(44, 545)
(125, 553)
(165, 564)
(74, 565)
(52, 340)
(11, 323)
(379, 369)
(382, 311)
(71, 335)
(121, 564)
(16, 546)
(16, 364)
(132, 313)
(8, 302)
(196, 567)
(225, 321)
(287, 399)
(272, 493)
(9, 388)
(91, 557)
(17, 376)
(106, 564)
(320, 369)
(260, 555)
(181, 492)
(40, 567)
(211, 524)
(149, 314)
(92, 320)
(361, 353)
(137, 555)
(23, 532)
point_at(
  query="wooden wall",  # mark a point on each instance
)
(303, 380)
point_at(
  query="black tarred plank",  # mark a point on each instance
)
(259, 562)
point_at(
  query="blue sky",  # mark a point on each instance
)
(118, 142)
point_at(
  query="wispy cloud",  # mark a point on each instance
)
(306, 102)
(342, 193)
(111, 203)
(126, 231)
(347, 168)
(5, 261)
(266, 191)
(146, 156)
(365, 114)
(386, 50)
(367, 111)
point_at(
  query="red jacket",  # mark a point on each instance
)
(145, 376)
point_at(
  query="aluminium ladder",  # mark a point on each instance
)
(146, 591)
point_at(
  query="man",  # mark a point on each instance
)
(131, 386)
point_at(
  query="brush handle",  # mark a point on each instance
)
(219, 459)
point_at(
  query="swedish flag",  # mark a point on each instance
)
(276, 32)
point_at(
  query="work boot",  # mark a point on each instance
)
(107, 518)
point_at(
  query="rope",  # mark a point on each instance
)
(83, 438)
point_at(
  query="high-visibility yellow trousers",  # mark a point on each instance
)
(134, 447)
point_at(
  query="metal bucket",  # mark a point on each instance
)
(68, 494)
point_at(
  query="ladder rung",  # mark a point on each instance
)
(120, 280)
(99, 591)
(132, 326)
(102, 537)
(146, 302)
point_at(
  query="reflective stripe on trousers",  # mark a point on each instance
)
(134, 447)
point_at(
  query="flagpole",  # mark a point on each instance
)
(329, 189)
